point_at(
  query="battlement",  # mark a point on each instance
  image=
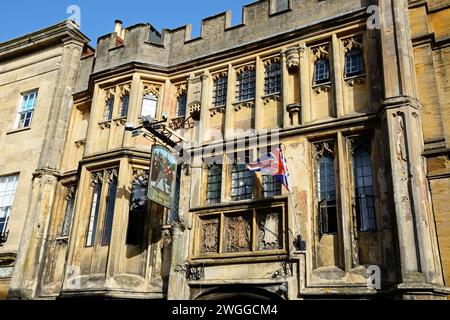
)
(260, 20)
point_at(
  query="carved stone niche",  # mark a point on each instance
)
(295, 113)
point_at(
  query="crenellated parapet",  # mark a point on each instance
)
(264, 19)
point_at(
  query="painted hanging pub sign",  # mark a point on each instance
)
(163, 170)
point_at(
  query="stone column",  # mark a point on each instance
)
(28, 271)
(285, 90)
(229, 113)
(92, 128)
(337, 76)
(134, 107)
(258, 110)
(62, 102)
(401, 118)
(177, 279)
(206, 104)
(305, 84)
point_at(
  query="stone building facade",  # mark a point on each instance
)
(354, 91)
(37, 76)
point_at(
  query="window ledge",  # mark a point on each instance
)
(271, 97)
(62, 240)
(243, 104)
(18, 130)
(322, 87)
(105, 124)
(120, 121)
(241, 203)
(356, 79)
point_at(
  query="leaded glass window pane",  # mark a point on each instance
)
(245, 85)
(220, 91)
(271, 186)
(214, 184)
(182, 105)
(68, 217)
(327, 195)
(322, 71)
(93, 218)
(109, 109)
(241, 181)
(124, 104)
(354, 63)
(364, 191)
(272, 81)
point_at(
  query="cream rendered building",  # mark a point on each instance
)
(355, 91)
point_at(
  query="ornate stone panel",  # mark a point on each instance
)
(270, 225)
(237, 236)
(209, 234)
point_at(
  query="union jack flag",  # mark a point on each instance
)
(273, 164)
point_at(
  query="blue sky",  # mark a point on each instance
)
(19, 17)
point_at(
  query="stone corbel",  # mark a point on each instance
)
(105, 125)
(355, 80)
(295, 109)
(248, 67)
(244, 104)
(216, 110)
(271, 97)
(293, 56)
(318, 89)
(63, 241)
(120, 121)
(80, 143)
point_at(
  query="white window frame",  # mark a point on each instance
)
(21, 110)
(153, 108)
(7, 194)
